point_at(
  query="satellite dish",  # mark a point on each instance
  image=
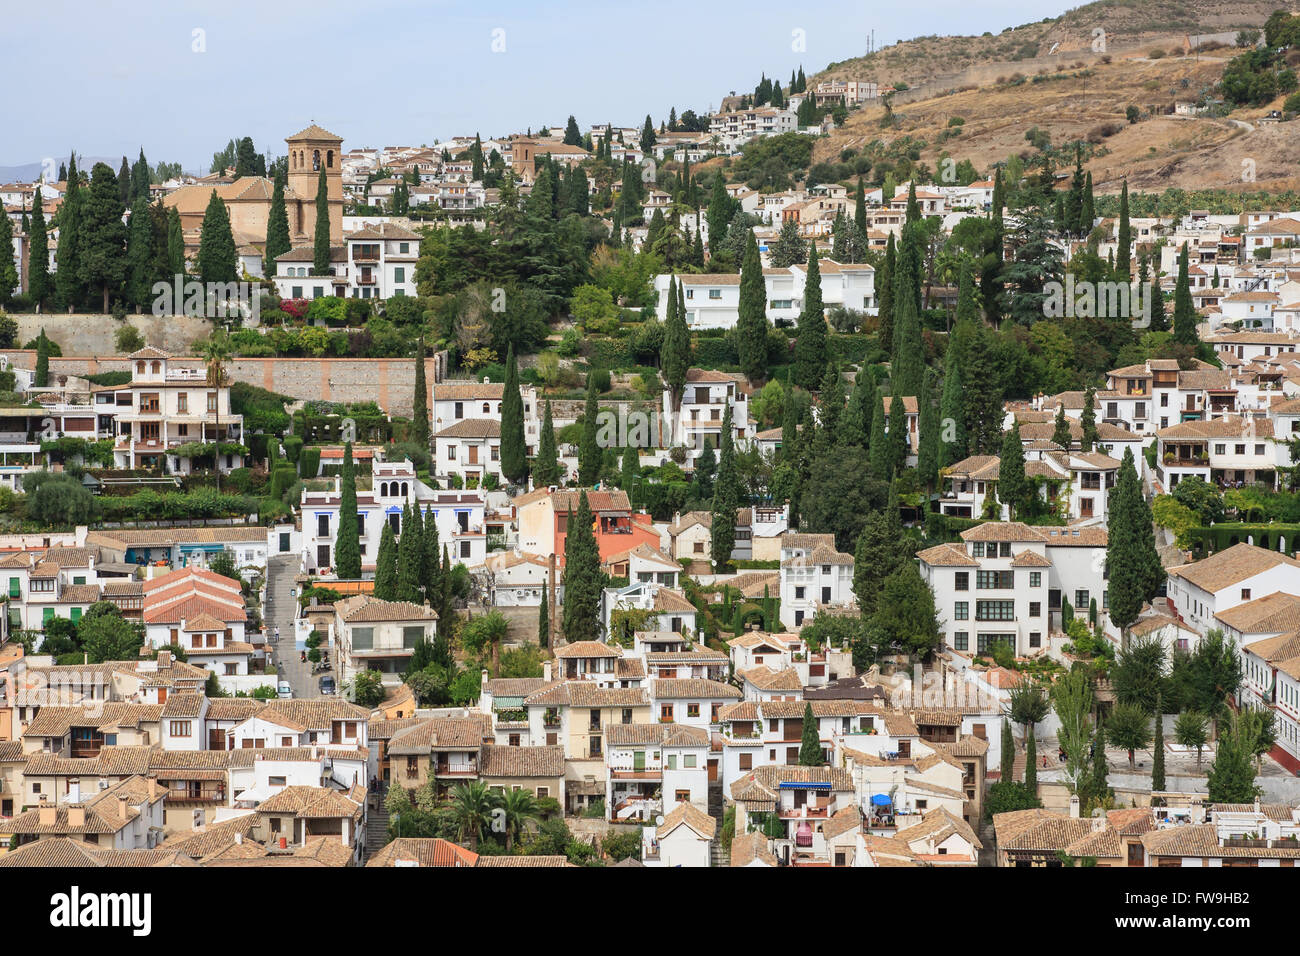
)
(659, 820)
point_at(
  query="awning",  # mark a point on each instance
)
(881, 800)
(796, 785)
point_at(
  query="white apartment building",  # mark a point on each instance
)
(375, 262)
(813, 576)
(1199, 591)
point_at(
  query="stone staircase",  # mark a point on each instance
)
(717, 807)
(376, 829)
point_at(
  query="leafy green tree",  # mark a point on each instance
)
(218, 260)
(101, 264)
(810, 346)
(1231, 778)
(347, 546)
(1129, 728)
(106, 635)
(590, 455)
(223, 563)
(486, 633)
(810, 747)
(1061, 428)
(321, 239)
(1214, 675)
(906, 618)
(514, 449)
(1192, 729)
(519, 808)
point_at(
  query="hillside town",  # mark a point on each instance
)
(671, 494)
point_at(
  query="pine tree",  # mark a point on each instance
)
(572, 136)
(514, 449)
(39, 286)
(546, 467)
(67, 275)
(810, 346)
(1158, 750)
(1124, 249)
(140, 254)
(723, 535)
(410, 556)
(101, 261)
(582, 577)
(420, 401)
(885, 292)
(1184, 310)
(277, 228)
(751, 324)
(42, 378)
(675, 353)
(347, 544)
(218, 260)
(1088, 421)
(648, 136)
(1014, 489)
(321, 240)
(590, 455)
(386, 565)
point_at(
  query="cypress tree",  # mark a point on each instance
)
(1008, 755)
(855, 423)
(831, 404)
(810, 346)
(67, 275)
(928, 450)
(277, 228)
(1031, 763)
(546, 468)
(476, 159)
(860, 210)
(1013, 488)
(101, 261)
(140, 254)
(175, 243)
(899, 443)
(347, 545)
(951, 414)
(218, 260)
(140, 178)
(582, 577)
(1124, 247)
(420, 401)
(386, 565)
(885, 293)
(990, 277)
(1159, 320)
(8, 274)
(751, 325)
(321, 240)
(1158, 749)
(1098, 786)
(723, 534)
(718, 215)
(514, 449)
(410, 555)
(42, 379)
(1087, 212)
(544, 619)
(39, 286)
(878, 452)
(810, 746)
(431, 577)
(124, 183)
(1061, 428)
(982, 403)
(1088, 421)
(1184, 311)
(675, 353)
(590, 455)
(908, 366)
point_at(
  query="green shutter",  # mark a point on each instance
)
(15, 588)
(76, 615)
(47, 615)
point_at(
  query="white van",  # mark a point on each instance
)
(284, 690)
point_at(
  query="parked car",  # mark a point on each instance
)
(327, 685)
(283, 689)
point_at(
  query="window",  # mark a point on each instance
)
(961, 580)
(412, 636)
(179, 728)
(1035, 639)
(1245, 594)
(212, 401)
(746, 762)
(399, 274)
(977, 549)
(995, 610)
(960, 610)
(998, 580)
(1035, 579)
(985, 642)
(322, 526)
(363, 638)
(1004, 549)
(1035, 609)
(715, 293)
(960, 640)
(1081, 599)
(692, 710)
(464, 549)
(15, 588)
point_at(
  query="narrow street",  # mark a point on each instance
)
(280, 602)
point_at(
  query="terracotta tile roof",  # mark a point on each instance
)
(686, 814)
(588, 649)
(766, 678)
(365, 608)
(583, 693)
(442, 733)
(669, 601)
(691, 688)
(748, 848)
(311, 803)
(1272, 613)
(669, 735)
(947, 556)
(423, 851)
(523, 861)
(499, 761)
(1230, 566)
(472, 428)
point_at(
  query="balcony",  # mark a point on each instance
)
(367, 280)
(442, 769)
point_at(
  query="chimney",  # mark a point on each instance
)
(484, 678)
(49, 815)
(239, 838)
(76, 816)
(153, 789)
(121, 808)
(1074, 807)
(546, 671)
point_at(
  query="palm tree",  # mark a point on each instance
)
(471, 806)
(216, 353)
(519, 807)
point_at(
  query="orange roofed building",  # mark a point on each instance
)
(543, 517)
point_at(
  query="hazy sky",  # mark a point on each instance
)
(107, 78)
